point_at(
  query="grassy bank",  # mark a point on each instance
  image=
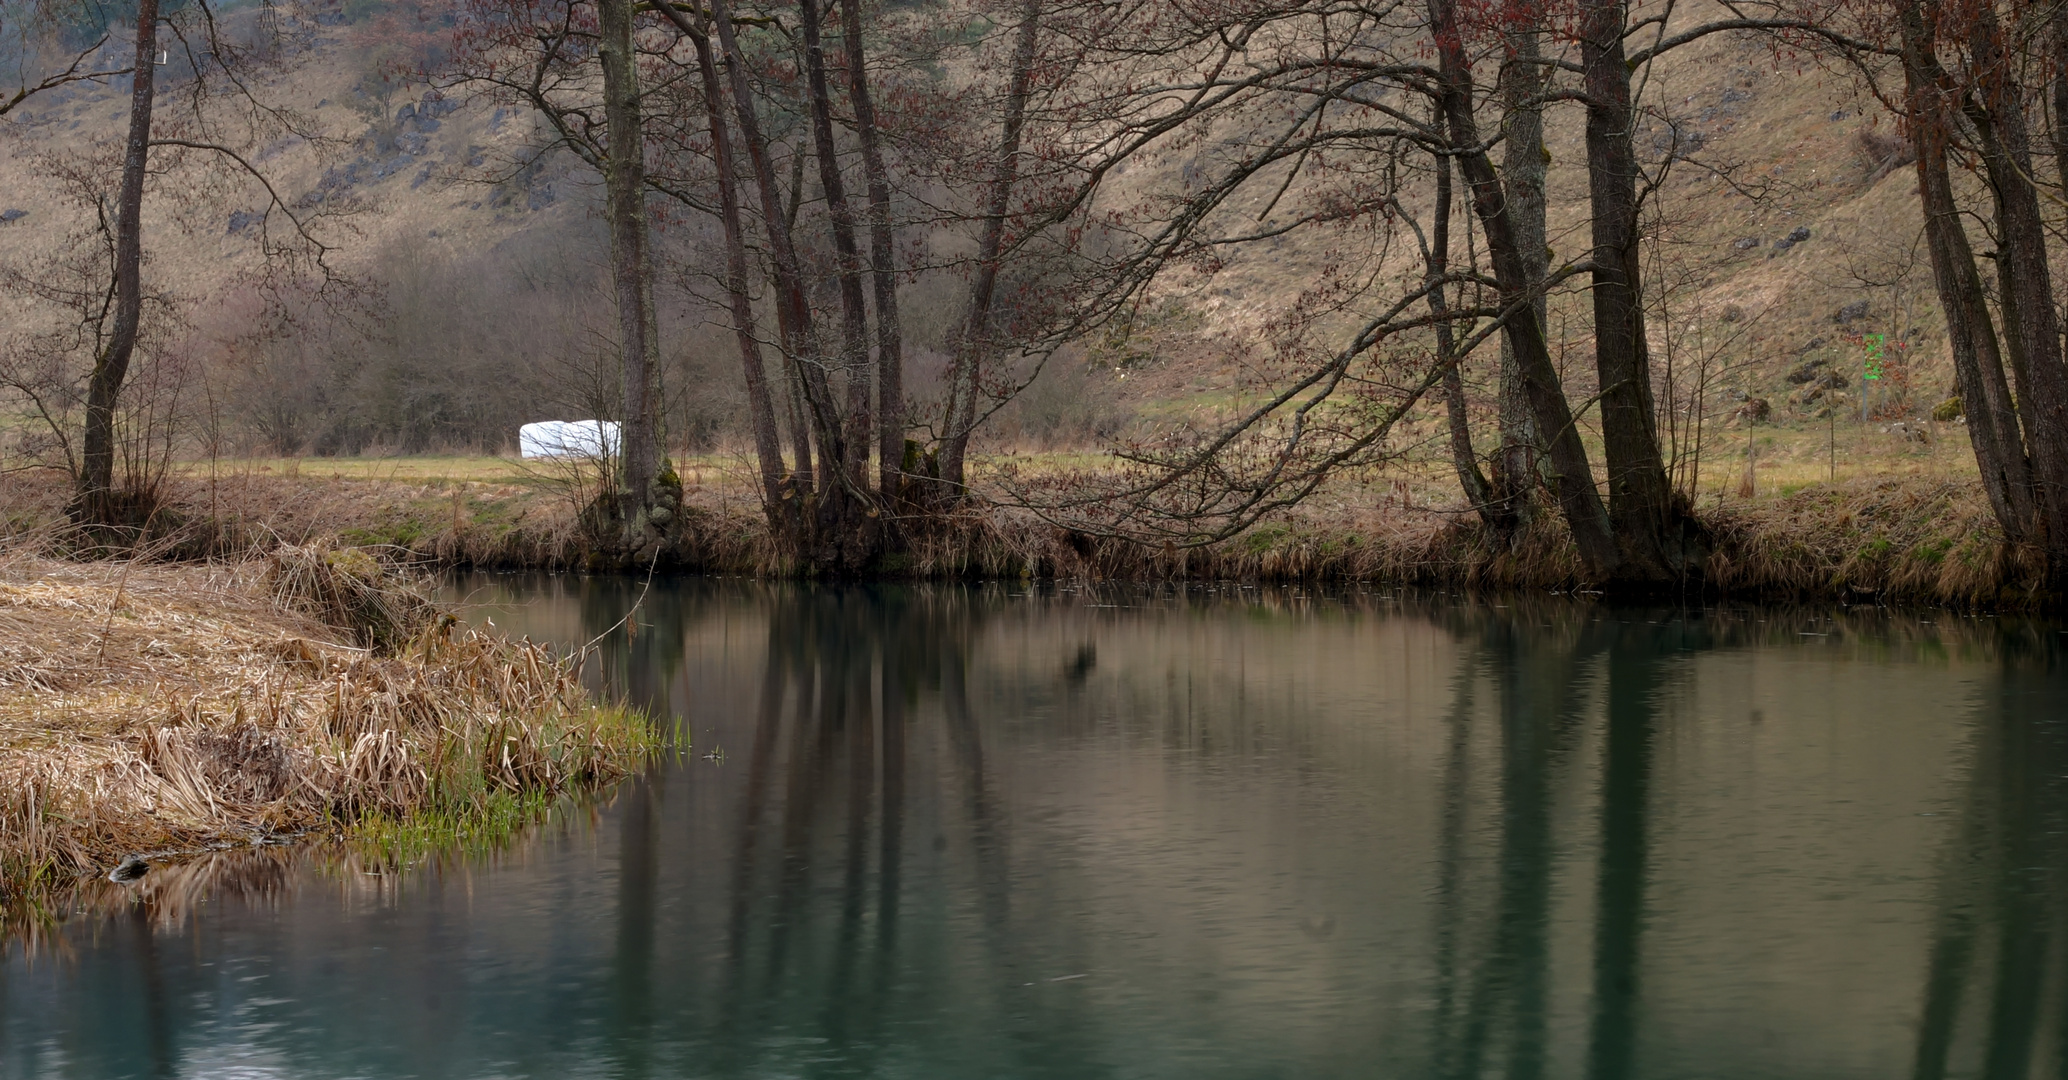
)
(1802, 512)
(148, 707)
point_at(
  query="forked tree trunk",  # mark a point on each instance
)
(965, 374)
(2032, 329)
(1992, 422)
(1572, 478)
(625, 207)
(1658, 539)
(854, 328)
(793, 307)
(768, 451)
(890, 342)
(96, 502)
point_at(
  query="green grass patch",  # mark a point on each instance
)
(1933, 551)
(474, 807)
(1265, 537)
(467, 829)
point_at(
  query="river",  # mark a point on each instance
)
(1037, 831)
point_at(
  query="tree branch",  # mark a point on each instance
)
(71, 74)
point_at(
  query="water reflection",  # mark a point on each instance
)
(1994, 992)
(1025, 832)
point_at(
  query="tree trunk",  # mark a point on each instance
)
(1524, 164)
(854, 339)
(1653, 530)
(1985, 394)
(96, 502)
(1477, 491)
(2059, 132)
(625, 206)
(1572, 479)
(793, 308)
(890, 348)
(768, 451)
(965, 374)
(2032, 328)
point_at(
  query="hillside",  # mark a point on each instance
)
(409, 169)
(433, 193)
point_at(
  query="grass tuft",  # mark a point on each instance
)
(148, 708)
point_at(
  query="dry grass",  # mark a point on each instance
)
(152, 707)
(1838, 512)
(1896, 538)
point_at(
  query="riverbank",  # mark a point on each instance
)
(1920, 533)
(148, 707)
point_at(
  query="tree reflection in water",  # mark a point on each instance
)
(1546, 663)
(940, 831)
(1996, 985)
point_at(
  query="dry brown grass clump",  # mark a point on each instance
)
(152, 707)
(1916, 540)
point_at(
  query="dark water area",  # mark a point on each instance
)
(1022, 831)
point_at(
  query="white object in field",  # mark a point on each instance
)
(568, 438)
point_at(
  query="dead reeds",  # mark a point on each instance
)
(152, 707)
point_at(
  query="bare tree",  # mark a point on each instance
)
(96, 499)
(644, 504)
(966, 375)
(890, 347)
(219, 117)
(1659, 540)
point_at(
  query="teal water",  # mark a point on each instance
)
(1036, 832)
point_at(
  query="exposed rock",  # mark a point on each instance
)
(12, 215)
(1817, 387)
(1677, 142)
(1781, 247)
(339, 179)
(435, 104)
(1855, 310)
(1809, 369)
(1799, 234)
(1745, 243)
(411, 143)
(241, 220)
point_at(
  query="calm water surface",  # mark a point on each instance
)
(1029, 832)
